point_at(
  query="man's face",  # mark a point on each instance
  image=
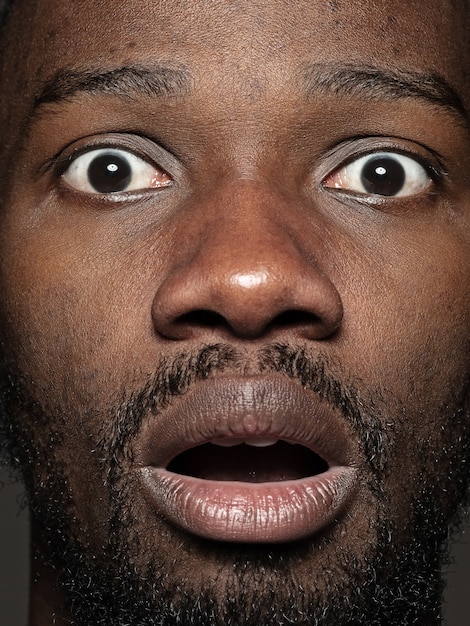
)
(228, 222)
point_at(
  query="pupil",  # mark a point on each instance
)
(109, 173)
(383, 176)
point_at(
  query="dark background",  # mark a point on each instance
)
(14, 565)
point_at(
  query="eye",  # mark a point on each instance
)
(387, 174)
(110, 170)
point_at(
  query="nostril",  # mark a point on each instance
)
(207, 319)
(206, 297)
(294, 318)
(202, 318)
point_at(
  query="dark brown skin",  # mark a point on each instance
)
(95, 292)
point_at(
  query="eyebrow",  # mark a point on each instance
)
(370, 83)
(125, 81)
(373, 83)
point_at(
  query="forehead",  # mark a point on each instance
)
(238, 53)
(248, 37)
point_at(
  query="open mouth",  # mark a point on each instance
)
(248, 460)
(251, 461)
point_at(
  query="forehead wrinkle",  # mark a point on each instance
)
(375, 83)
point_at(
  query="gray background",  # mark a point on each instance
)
(14, 566)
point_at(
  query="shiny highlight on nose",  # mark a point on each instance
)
(247, 270)
(249, 280)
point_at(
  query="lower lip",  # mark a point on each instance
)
(269, 512)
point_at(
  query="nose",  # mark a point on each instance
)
(245, 267)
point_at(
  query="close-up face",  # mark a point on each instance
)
(235, 309)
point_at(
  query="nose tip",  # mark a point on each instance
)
(213, 297)
(247, 266)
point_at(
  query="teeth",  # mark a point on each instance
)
(227, 443)
(261, 443)
(257, 443)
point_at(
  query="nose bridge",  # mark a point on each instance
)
(245, 269)
(249, 237)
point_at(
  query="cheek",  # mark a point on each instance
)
(77, 308)
(407, 312)
(76, 323)
(409, 322)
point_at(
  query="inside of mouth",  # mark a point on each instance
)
(278, 462)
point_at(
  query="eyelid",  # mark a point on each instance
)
(370, 176)
(350, 150)
(116, 167)
(340, 172)
(142, 147)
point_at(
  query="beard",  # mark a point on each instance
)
(393, 579)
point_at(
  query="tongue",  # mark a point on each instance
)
(282, 461)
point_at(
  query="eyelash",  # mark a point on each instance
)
(120, 172)
(129, 147)
(392, 170)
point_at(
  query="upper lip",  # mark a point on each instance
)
(274, 407)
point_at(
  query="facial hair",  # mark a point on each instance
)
(395, 583)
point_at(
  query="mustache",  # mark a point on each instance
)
(175, 376)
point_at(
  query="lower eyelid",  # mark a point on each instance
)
(148, 176)
(346, 179)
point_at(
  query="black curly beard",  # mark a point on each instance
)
(401, 585)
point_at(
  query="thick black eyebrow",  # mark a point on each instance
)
(126, 81)
(369, 83)
(372, 83)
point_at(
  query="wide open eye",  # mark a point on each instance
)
(387, 174)
(110, 170)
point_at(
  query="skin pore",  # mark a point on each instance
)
(247, 267)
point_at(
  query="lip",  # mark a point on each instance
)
(252, 408)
